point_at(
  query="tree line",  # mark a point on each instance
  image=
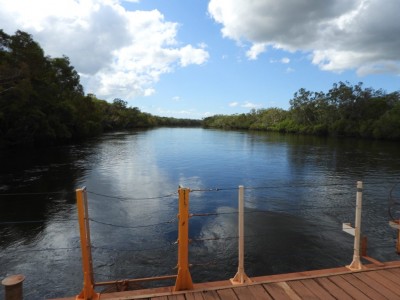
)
(42, 101)
(345, 110)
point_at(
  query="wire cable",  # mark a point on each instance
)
(132, 199)
(129, 250)
(16, 250)
(137, 226)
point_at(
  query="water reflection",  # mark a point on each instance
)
(299, 191)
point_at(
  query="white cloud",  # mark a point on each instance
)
(183, 113)
(176, 98)
(256, 50)
(339, 34)
(248, 104)
(118, 53)
(149, 92)
(285, 60)
(233, 104)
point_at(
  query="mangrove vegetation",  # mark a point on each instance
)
(345, 110)
(42, 101)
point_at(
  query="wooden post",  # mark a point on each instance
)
(356, 263)
(184, 279)
(13, 287)
(87, 292)
(241, 277)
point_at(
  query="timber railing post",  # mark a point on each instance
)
(13, 287)
(356, 263)
(241, 277)
(184, 279)
(87, 292)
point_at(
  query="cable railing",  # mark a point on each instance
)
(183, 280)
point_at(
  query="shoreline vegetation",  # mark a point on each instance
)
(345, 110)
(43, 103)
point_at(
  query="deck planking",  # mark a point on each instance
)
(382, 282)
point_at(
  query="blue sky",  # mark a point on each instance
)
(193, 59)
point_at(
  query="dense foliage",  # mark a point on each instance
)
(42, 100)
(345, 110)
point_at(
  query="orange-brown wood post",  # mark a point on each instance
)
(13, 287)
(88, 292)
(184, 279)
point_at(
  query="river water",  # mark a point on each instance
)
(298, 192)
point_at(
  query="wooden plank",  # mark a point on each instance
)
(277, 292)
(194, 296)
(333, 289)
(244, 293)
(390, 276)
(211, 295)
(227, 294)
(375, 285)
(362, 286)
(301, 290)
(288, 290)
(395, 271)
(176, 297)
(260, 292)
(351, 290)
(251, 292)
(385, 282)
(281, 291)
(318, 290)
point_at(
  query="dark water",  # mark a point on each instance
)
(299, 191)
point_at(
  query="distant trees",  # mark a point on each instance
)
(345, 110)
(43, 102)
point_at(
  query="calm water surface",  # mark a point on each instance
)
(299, 191)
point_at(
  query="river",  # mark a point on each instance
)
(298, 192)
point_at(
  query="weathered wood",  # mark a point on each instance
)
(302, 290)
(211, 295)
(176, 297)
(245, 292)
(194, 296)
(227, 294)
(351, 290)
(390, 276)
(375, 285)
(260, 292)
(318, 290)
(385, 282)
(280, 291)
(362, 286)
(333, 289)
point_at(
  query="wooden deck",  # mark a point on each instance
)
(374, 282)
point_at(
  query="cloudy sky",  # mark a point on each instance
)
(195, 58)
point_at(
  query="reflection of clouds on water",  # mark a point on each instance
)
(129, 168)
(192, 182)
